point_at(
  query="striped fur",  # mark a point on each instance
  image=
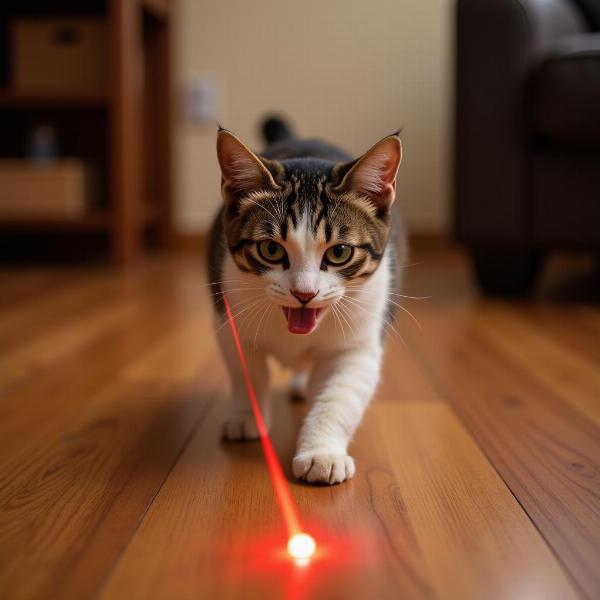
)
(307, 189)
(287, 214)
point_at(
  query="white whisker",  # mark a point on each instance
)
(334, 311)
(223, 292)
(343, 316)
(222, 281)
(268, 310)
(384, 320)
(400, 307)
(249, 316)
(238, 313)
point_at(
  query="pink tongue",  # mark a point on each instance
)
(301, 320)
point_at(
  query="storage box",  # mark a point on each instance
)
(60, 189)
(59, 54)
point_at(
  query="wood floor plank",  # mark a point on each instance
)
(593, 316)
(98, 353)
(229, 540)
(84, 448)
(545, 450)
(27, 411)
(71, 296)
(34, 313)
(402, 377)
(19, 285)
(229, 543)
(477, 468)
(569, 373)
(72, 502)
(477, 540)
(571, 326)
(182, 342)
(32, 356)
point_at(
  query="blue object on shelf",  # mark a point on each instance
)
(43, 145)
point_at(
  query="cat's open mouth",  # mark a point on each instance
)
(301, 320)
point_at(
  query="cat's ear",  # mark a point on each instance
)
(374, 174)
(242, 171)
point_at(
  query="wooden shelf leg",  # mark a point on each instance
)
(125, 18)
(157, 126)
(165, 120)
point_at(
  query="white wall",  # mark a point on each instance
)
(349, 71)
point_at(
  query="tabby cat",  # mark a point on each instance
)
(300, 248)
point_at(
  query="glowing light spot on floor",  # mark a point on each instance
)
(301, 546)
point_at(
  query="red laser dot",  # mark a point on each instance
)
(300, 545)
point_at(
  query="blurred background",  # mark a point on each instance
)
(349, 72)
(118, 105)
(484, 435)
(108, 111)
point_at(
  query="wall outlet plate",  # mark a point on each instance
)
(203, 97)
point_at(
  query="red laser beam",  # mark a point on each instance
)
(283, 495)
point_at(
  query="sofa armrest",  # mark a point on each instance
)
(498, 44)
(566, 92)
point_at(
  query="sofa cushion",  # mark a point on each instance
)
(566, 91)
(591, 9)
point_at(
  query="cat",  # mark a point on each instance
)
(301, 249)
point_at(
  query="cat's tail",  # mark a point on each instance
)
(276, 129)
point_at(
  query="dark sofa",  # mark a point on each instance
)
(527, 170)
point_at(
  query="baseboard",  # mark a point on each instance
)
(431, 240)
(190, 242)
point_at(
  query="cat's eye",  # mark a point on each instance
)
(271, 251)
(339, 254)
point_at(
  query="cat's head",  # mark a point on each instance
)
(307, 229)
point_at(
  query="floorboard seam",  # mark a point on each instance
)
(105, 580)
(447, 398)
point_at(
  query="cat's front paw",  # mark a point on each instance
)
(241, 426)
(323, 467)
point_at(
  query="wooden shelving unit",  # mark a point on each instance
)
(93, 222)
(125, 129)
(9, 98)
(99, 221)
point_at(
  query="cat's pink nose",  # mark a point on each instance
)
(304, 297)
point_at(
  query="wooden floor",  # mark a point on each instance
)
(478, 463)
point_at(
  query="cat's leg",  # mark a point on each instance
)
(241, 424)
(343, 387)
(298, 386)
